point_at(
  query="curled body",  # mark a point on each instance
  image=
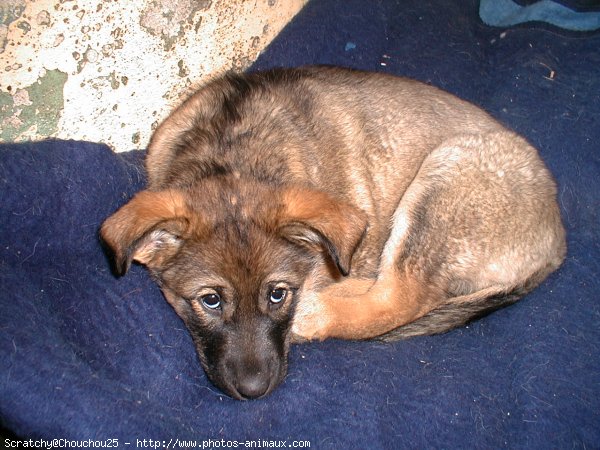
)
(320, 202)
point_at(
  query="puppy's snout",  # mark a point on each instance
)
(253, 385)
(253, 378)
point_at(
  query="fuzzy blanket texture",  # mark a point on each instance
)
(84, 355)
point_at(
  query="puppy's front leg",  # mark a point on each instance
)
(320, 312)
(360, 308)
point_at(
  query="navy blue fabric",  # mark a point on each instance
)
(84, 355)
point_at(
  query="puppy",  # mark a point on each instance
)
(318, 202)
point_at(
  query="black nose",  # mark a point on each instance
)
(253, 385)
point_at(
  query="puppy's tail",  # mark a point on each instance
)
(456, 312)
(460, 310)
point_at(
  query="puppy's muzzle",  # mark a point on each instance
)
(251, 377)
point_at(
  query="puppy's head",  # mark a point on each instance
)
(232, 258)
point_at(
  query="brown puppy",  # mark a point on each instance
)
(321, 202)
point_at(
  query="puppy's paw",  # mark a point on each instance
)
(311, 321)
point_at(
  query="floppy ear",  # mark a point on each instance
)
(315, 219)
(148, 229)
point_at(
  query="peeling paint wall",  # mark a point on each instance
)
(109, 71)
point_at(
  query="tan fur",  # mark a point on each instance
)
(476, 180)
(378, 206)
(340, 222)
(362, 308)
(144, 212)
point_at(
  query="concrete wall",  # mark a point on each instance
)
(109, 71)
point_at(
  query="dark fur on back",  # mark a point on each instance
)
(215, 144)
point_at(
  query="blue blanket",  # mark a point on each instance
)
(84, 355)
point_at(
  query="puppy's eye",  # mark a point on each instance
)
(277, 295)
(211, 301)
